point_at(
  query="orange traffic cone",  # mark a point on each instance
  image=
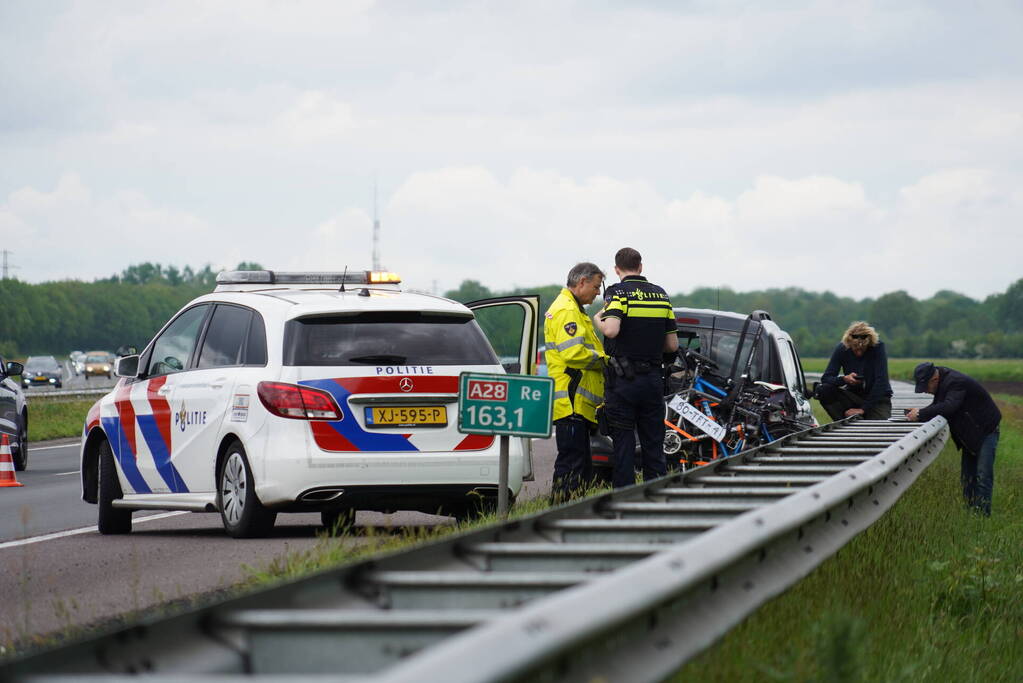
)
(7, 477)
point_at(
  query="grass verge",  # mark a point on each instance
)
(931, 592)
(981, 369)
(56, 419)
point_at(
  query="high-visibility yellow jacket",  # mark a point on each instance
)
(575, 358)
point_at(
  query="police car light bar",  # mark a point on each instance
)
(271, 277)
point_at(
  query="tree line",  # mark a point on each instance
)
(947, 325)
(129, 308)
(59, 317)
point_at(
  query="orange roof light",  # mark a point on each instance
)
(381, 277)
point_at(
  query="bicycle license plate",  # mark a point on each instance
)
(695, 416)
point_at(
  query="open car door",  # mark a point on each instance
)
(510, 323)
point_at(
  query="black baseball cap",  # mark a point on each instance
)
(922, 374)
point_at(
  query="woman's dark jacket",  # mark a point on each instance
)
(969, 409)
(872, 366)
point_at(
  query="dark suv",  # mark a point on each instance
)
(716, 334)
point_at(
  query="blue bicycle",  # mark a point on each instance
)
(708, 416)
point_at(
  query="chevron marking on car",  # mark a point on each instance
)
(156, 430)
(348, 435)
(121, 436)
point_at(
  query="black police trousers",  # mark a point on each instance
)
(573, 468)
(636, 406)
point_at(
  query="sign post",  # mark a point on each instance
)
(505, 406)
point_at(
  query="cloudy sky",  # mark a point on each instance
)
(860, 147)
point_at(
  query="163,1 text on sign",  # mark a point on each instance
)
(513, 405)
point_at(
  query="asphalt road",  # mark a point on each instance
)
(57, 572)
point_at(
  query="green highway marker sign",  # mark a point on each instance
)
(505, 405)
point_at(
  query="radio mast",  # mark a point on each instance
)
(376, 231)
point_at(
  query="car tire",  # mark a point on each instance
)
(111, 520)
(781, 430)
(240, 510)
(21, 438)
(338, 521)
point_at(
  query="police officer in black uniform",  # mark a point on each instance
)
(639, 327)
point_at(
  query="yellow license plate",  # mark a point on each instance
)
(406, 416)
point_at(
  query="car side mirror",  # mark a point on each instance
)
(127, 366)
(512, 368)
(15, 368)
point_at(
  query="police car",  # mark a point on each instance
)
(291, 392)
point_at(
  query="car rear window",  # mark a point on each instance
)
(387, 338)
(720, 346)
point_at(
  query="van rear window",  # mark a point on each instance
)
(387, 338)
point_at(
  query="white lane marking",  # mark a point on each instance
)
(84, 530)
(64, 474)
(46, 448)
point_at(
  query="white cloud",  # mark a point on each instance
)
(824, 232)
(70, 226)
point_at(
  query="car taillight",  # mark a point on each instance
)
(298, 402)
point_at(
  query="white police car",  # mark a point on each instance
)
(289, 392)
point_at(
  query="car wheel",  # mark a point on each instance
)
(111, 520)
(338, 521)
(779, 430)
(242, 513)
(21, 438)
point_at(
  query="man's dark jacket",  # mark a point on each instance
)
(969, 409)
(872, 366)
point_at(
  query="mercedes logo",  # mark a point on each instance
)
(405, 384)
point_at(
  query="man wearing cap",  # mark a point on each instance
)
(973, 419)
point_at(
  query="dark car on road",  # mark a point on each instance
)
(42, 371)
(14, 413)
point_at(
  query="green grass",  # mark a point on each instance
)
(983, 369)
(48, 419)
(931, 592)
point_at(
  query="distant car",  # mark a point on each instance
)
(76, 359)
(14, 413)
(99, 364)
(42, 371)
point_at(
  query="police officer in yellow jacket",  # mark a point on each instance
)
(638, 324)
(575, 360)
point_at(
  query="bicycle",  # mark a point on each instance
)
(707, 418)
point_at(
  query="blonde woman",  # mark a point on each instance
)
(856, 379)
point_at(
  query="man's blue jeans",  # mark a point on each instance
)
(978, 474)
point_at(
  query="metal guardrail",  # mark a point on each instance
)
(65, 395)
(622, 586)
